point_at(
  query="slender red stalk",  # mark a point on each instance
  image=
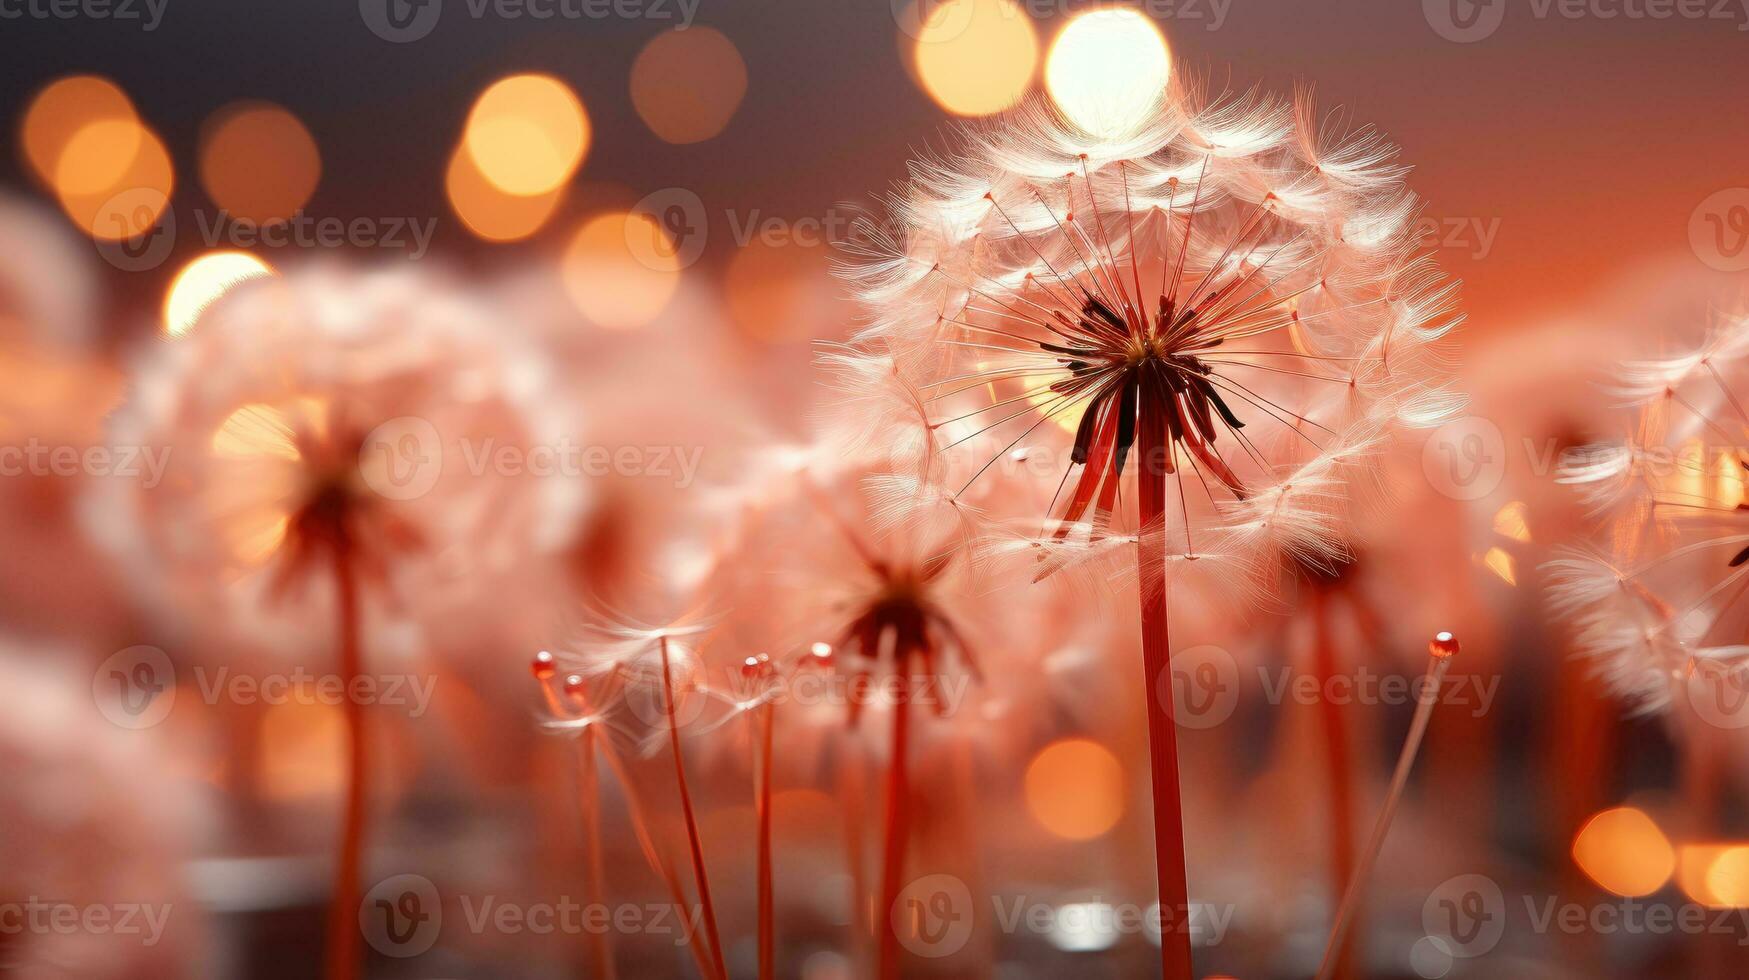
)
(762, 803)
(692, 837)
(1152, 441)
(898, 825)
(641, 830)
(589, 788)
(589, 799)
(1438, 662)
(343, 933)
(1340, 776)
(850, 789)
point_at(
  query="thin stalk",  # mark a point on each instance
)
(1438, 662)
(641, 830)
(589, 787)
(343, 933)
(851, 779)
(762, 804)
(692, 836)
(898, 826)
(1174, 884)
(589, 799)
(1340, 775)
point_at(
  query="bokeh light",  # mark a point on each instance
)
(108, 203)
(489, 212)
(527, 134)
(1727, 877)
(621, 269)
(1714, 874)
(259, 162)
(1108, 71)
(202, 282)
(976, 57)
(1501, 563)
(300, 750)
(687, 84)
(61, 110)
(98, 156)
(1074, 789)
(1623, 850)
(771, 289)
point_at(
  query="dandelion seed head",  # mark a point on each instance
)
(1664, 589)
(1237, 272)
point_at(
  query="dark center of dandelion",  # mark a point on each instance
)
(327, 510)
(1124, 370)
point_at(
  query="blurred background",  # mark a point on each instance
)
(644, 195)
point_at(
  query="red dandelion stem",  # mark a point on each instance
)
(1335, 744)
(589, 786)
(763, 722)
(850, 788)
(702, 879)
(1440, 652)
(589, 806)
(343, 933)
(1153, 441)
(898, 824)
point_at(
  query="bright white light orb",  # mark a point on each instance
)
(1107, 71)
